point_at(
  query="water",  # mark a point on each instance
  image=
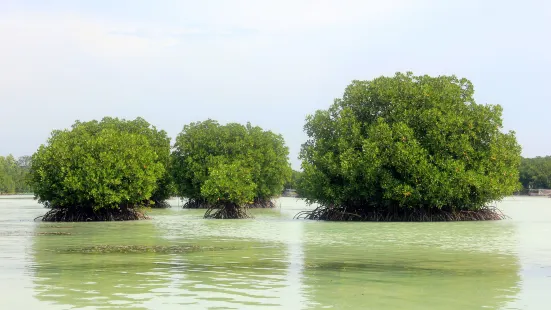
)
(178, 259)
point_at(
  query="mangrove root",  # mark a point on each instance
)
(196, 204)
(342, 213)
(202, 204)
(88, 215)
(227, 211)
(160, 205)
(262, 204)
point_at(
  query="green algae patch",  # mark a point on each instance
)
(53, 233)
(175, 249)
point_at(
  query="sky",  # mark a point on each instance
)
(267, 62)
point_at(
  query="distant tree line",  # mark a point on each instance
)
(535, 173)
(293, 182)
(13, 174)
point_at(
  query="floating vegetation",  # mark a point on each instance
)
(106, 248)
(55, 226)
(55, 233)
(29, 233)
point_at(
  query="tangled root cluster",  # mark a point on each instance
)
(342, 213)
(160, 205)
(196, 204)
(227, 211)
(203, 204)
(262, 204)
(89, 214)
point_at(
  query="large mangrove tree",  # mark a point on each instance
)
(99, 171)
(160, 142)
(408, 148)
(225, 167)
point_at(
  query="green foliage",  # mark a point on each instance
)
(204, 150)
(536, 172)
(409, 142)
(228, 183)
(293, 182)
(13, 175)
(159, 141)
(98, 165)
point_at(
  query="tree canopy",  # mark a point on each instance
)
(232, 162)
(293, 182)
(536, 172)
(160, 142)
(96, 169)
(13, 174)
(405, 146)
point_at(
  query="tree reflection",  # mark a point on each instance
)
(90, 265)
(139, 265)
(246, 268)
(270, 262)
(410, 266)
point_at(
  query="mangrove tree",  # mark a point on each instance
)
(98, 171)
(535, 173)
(13, 174)
(408, 148)
(227, 166)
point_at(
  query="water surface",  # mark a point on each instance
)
(179, 259)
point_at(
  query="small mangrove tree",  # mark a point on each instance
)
(408, 148)
(226, 167)
(13, 174)
(98, 171)
(535, 173)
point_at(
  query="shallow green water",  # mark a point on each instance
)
(273, 261)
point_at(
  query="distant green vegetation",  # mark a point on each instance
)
(224, 167)
(293, 182)
(408, 148)
(293, 186)
(100, 170)
(536, 173)
(13, 174)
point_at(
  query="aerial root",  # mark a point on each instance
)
(338, 213)
(196, 204)
(202, 204)
(160, 205)
(262, 204)
(227, 211)
(86, 215)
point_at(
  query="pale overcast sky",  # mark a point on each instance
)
(267, 62)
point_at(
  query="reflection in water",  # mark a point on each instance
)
(90, 268)
(273, 262)
(65, 275)
(412, 266)
(252, 274)
(293, 295)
